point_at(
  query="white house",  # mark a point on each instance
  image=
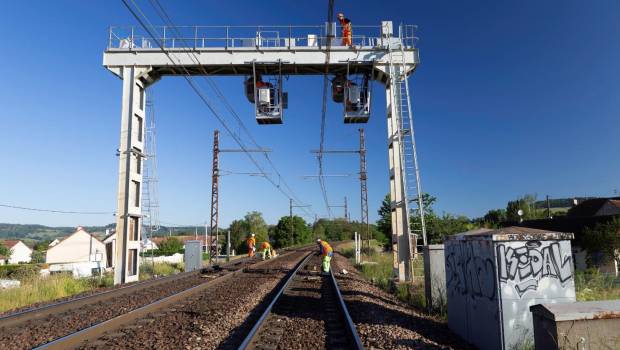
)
(148, 244)
(80, 253)
(20, 253)
(53, 243)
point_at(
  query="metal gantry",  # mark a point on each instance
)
(141, 57)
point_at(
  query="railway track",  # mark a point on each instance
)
(32, 327)
(135, 328)
(308, 312)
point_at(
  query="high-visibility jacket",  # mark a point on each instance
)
(265, 245)
(326, 249)
(346, 27)
(251, 242)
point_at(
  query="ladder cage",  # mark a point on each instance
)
(267, 95)
(356, 99)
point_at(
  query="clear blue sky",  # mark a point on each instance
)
(511, 98)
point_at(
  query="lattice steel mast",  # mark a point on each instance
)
(213, 227)
(364, 190)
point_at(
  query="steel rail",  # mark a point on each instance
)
(347, 317)
(89, 334)
(341, 304)
(257, 326)
(16, 318)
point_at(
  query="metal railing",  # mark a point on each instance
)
(232, 37)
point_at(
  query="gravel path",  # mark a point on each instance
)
(383, 321)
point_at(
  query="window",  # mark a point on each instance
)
(136, 193)
(141, 92)
(136, 162)
(133, 228)
(138, 127)
(132, 262)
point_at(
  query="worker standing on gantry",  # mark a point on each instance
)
(326, 252)
(266, 248)
(347, 30)
(251, 242)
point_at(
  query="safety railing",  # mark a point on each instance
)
(231, 37)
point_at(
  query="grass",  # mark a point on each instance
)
(592, 285)
(377, 268)
(36, 290)
(160, 269)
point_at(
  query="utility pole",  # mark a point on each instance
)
(364, 190)
(346, 210)
(214, 196)
(548, 208)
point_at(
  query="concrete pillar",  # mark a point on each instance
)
(129, 212)
(494, 276)
(400, 219)
(435, 277)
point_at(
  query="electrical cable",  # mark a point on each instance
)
(166, 18)
(58, 211)
(198, 91)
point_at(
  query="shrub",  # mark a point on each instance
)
(170, 246)
(19, 272)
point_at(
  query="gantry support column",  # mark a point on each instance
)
(400, 219)
(131, 148)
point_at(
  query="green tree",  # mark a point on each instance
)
(527, 204)
(171, 245)
(494, 217)
(282, 231)
(384, 224)
(602, 242)
(5, 251)
(256, 224)
(42, 246)
(37, 257)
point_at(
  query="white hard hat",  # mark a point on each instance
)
(252, 235)
(318, 240)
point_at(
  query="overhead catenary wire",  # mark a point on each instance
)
(281, 181)
(187, 76)
(58, 211)
(329, 34)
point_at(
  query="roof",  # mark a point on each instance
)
(78, 229)
(512, 233)
(587, 310)
(592, 207)
(10, 243)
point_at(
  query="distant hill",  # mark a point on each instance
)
(564, 203)
(41, 232)
(33, 232)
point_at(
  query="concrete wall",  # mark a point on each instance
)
(584, 325)
(79, 247)
(473, 301)
(435, 276)
(532, 272)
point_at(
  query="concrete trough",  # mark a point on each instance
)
(494, 276)
(584, 325)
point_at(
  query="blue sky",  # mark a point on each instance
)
(511, 98)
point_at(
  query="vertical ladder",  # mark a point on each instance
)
(150, 198)
(406, 138)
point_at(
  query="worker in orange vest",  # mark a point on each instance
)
(347, 31)
(251, 242)
(266, 248)
(326, 252)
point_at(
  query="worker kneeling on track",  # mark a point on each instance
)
(267, 250)
(327, 252)
(251, 242)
